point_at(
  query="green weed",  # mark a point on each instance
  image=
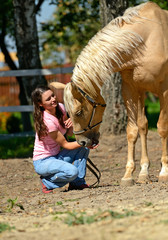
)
(59, 203)
(148, 204)
(5, 227)
(12, 203)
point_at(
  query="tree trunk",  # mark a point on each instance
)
(27, 43)
(23, 101)
(115, 117)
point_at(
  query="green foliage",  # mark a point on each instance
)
(5, 227)
(13, 124)
(162, 3)
(6, 20)
(17, 147)
(74, 23)
(152, 113)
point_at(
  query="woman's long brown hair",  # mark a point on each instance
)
(39, 124)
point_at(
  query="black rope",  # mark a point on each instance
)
(93, 169)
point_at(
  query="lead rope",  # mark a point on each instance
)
(97, 174)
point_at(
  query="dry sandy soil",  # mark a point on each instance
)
(118, 213)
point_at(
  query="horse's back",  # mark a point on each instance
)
(152, 65)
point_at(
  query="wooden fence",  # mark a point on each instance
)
(9, 88)
(57, 74)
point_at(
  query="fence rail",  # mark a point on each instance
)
(60, 75)
(35, 72)
(29, 73)
(21, 108)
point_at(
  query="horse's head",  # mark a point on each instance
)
(85, 113)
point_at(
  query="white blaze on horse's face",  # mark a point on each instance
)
(81, 112)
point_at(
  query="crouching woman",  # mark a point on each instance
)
(53, 155)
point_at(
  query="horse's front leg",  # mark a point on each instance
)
(132, 133)
(131, 103)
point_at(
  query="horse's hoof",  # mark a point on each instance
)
(163, 178)
(143, 178)
(127, 182)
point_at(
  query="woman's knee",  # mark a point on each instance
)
(72, 173)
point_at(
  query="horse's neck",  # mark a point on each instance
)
(96, 94)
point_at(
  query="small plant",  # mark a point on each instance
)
(78, 218)
(148, 204)
(5, 227)
(12, 203)
(59, 203)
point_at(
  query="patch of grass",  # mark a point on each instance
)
(71, 200)
(75, 218)
(126, 213)
(80, 218)
(17, 147)
(164, 221)
(5, 227)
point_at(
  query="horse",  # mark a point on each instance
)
(136, 45)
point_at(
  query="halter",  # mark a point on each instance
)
(94, 104)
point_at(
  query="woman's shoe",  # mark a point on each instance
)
(74, 187)
(44, 188)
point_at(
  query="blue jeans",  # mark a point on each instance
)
(57, 171)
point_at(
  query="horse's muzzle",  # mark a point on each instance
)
(88, 141)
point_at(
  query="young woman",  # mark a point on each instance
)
(53, 155)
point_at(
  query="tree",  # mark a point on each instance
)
(7, 27)
(74, 23)
(115, 117)
(27, 43)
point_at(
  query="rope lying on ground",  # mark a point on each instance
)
(91, 166)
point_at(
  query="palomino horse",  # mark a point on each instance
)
(136, 45)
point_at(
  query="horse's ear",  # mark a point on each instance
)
(75, 91)
(57, 85)
(58, 90)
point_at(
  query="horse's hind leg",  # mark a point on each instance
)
(162, 126)
(137, 122)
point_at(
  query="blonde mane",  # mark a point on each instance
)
(96, 61)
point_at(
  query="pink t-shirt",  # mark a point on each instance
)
(47, 146)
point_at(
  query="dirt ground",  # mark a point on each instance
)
(117, 212)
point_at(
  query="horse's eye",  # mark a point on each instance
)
(78, 113)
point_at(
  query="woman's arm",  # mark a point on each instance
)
(60, 139)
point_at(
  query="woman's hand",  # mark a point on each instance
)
(68, 123)
(93, 147)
